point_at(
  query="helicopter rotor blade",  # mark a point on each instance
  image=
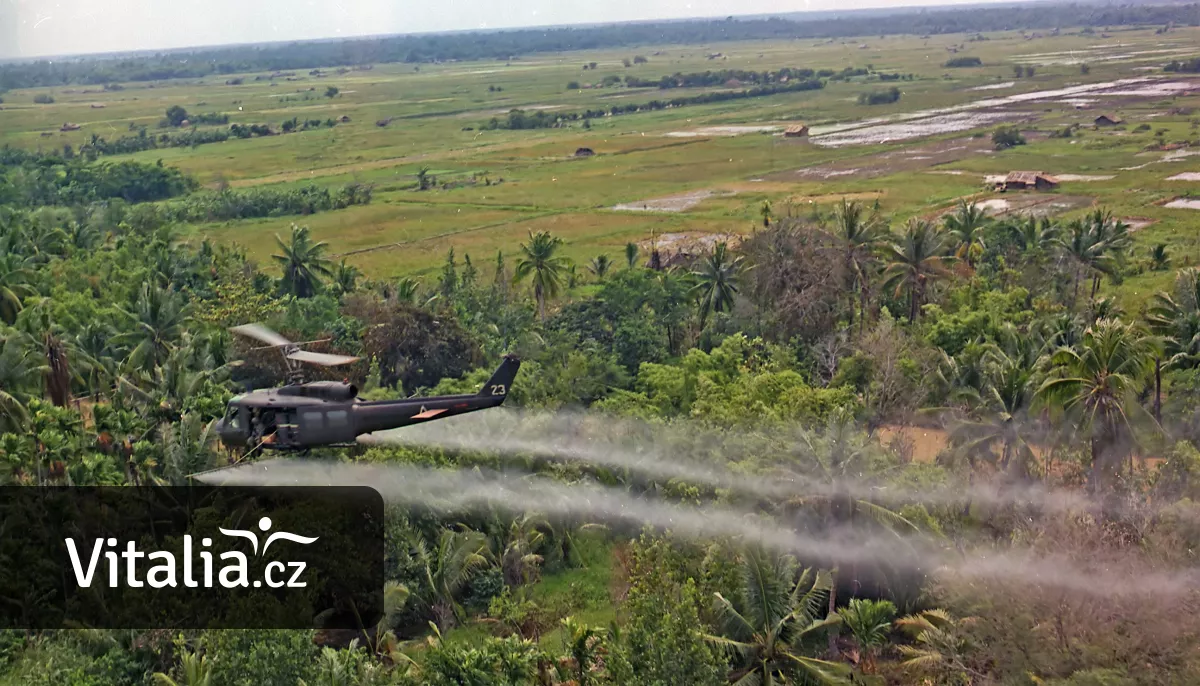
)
(262, 333)
(323, 359)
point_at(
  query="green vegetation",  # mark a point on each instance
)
(963, 62)
(885, 97)
(849, 352)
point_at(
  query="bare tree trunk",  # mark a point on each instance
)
(1158, 389)
(862, 310)
(833, 631)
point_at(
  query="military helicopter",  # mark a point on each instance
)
(301, 415)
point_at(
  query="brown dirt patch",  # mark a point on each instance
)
(1035, 204)
(691, 243)
(673, 203)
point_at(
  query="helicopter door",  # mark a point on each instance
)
(286, 433)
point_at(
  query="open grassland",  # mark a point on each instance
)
(707, 168)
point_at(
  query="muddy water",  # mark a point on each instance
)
(875, 130)
(886, 133)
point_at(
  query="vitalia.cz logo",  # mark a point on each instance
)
(191, 557)
(163, 569)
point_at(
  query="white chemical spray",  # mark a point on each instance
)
(447, 491)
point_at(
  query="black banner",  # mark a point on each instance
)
(191, 557)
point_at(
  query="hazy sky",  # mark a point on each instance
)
(57, 27)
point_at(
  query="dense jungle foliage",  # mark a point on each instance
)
(833, 327)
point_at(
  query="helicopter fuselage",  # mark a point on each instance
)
(302, 416)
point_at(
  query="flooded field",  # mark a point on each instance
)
(883, 164)
(932, 126)
(989, 110)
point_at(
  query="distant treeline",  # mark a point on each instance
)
(708, 79)
(541, 119)
(230, 204)
(98, 145)
(1191, 66)
(30, 179)
(507, 44)
(37, 179)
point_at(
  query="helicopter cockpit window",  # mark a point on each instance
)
(234, 417)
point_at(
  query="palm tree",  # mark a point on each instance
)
(20, 374)
(157, 318)
(1099, 381)
(834, 459)
(941, 646)
(966, 226)
(780, 610)
(716, 282)
(303, 263)
(407, 290)
(1002, 415)
(870, 622)
(599, 266)
(631, 255)
(547, 269)
(189, 448)
(861, 238)
(448, 568)
(915, 261)
(1160, 261)
(583, 647)
(345, 277)
(194, 670)
(1175, 319)
(16, 277)
(1032, 233)
(518, 554)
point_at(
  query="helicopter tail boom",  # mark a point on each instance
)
(502, 380)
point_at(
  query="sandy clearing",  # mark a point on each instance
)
(1137, 223)
(688, 242)
(1185, 176)
(1180, 154)
(994, 86)
(672, 203)
(1084, 177)
(1184, 204)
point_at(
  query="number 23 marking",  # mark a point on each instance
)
(498, 389)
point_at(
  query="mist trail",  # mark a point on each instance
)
(671, 452)
(448, 492)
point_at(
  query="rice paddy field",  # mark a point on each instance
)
(690, 170)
